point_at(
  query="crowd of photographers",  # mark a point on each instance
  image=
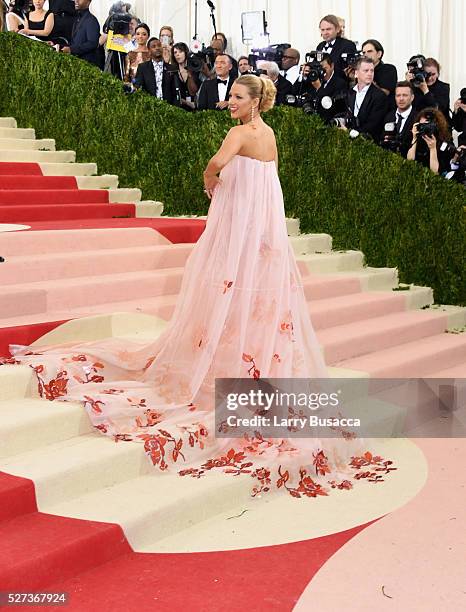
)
(354, 90)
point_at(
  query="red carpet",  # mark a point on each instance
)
(24, 335)
(94, 564)
(41, 197)
(19, 168)
(65, 212)
(37, 182)
(174, 229)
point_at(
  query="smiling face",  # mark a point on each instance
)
(142, 37)
(328, 31)
(241, 103)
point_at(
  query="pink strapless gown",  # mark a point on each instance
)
(241, 313)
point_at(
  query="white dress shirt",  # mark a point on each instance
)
(405, 114)
(291, 74)
(222, 90)
(360, 95)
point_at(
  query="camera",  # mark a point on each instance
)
(196, 60)
(315, 71)
(348, 60)
(427, 129)
(306, 101)
(416, 67)
(273, 53)
(119, 23)
(463, 95)
(391, 141)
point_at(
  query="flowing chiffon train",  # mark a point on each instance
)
(241, 313)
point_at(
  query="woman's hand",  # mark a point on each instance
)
(431, 141)
(210, 184)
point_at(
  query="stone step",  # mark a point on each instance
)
(50, 168)
(26, 424)
(311, 243)
(16, 382)
(25, 144)
(148, 209)
(11, 132)
(334, 261)
(7, 122)
(37, 156)
(106, 181)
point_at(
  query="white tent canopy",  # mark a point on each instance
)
(404, 27)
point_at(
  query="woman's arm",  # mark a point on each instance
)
(49, 23)
(230, 147)
(412, 151)
(433, 157)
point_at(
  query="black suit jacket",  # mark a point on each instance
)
(341, 45)
(370, 119)
(441, 93)
(85, 37)
(208, 94)
(405, 136)
(64, 14)
(145, 79)
(284, 88)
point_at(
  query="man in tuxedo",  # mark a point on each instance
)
(402, 118)
(333, 43)
(153, 76)
(366, 102)
(219, 44)
(214, 93)
(85, 34)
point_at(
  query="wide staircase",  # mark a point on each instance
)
(123, 281)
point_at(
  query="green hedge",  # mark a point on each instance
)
(398, 213)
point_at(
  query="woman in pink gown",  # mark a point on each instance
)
(241, 313)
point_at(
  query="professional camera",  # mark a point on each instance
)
(346, 120)
(391, 141)
(273, 53)
(307, 101)
(463, 95)
(349, 60)
(315, 71)
(427, 129)
(196, 59)
(119, 23)
(416, 67)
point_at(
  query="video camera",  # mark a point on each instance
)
(416, 67)
(119, 23)
(349, 60)
(273, 53)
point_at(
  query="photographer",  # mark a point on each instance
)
(458, 166)
(367, 105)
(399, 123)
(385, 75)
(459, 117)
(431, 145)
(326, 84)
(154, 76)
(290, 65)
(429, 91)
(243, 65)
(333, 43)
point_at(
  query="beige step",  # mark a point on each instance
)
(26, 424)
(67, 169)
(25, 144)
(117, 196)
(7, 122)
(10, 132)
(37, 156)
(106, 181)
(149, 209)
(311, 243)
(16, 382)
(335, 261)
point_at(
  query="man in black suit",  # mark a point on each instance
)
(214, 93)
(366, 102)
(154, 77)
(402, 119)
(85, 34)
(385, 75)
(333, 44)
(64, 14)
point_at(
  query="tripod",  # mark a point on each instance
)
(114, 62)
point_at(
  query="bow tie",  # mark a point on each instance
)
(223, 82)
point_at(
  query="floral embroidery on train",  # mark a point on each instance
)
(255, 371)
(55, 388)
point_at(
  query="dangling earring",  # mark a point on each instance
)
(252, 117)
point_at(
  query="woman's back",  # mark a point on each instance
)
(258, 142)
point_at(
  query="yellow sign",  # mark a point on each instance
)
(118, 42)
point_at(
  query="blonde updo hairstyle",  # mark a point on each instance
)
(259, 87)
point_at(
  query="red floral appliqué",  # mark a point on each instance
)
(255, 372)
